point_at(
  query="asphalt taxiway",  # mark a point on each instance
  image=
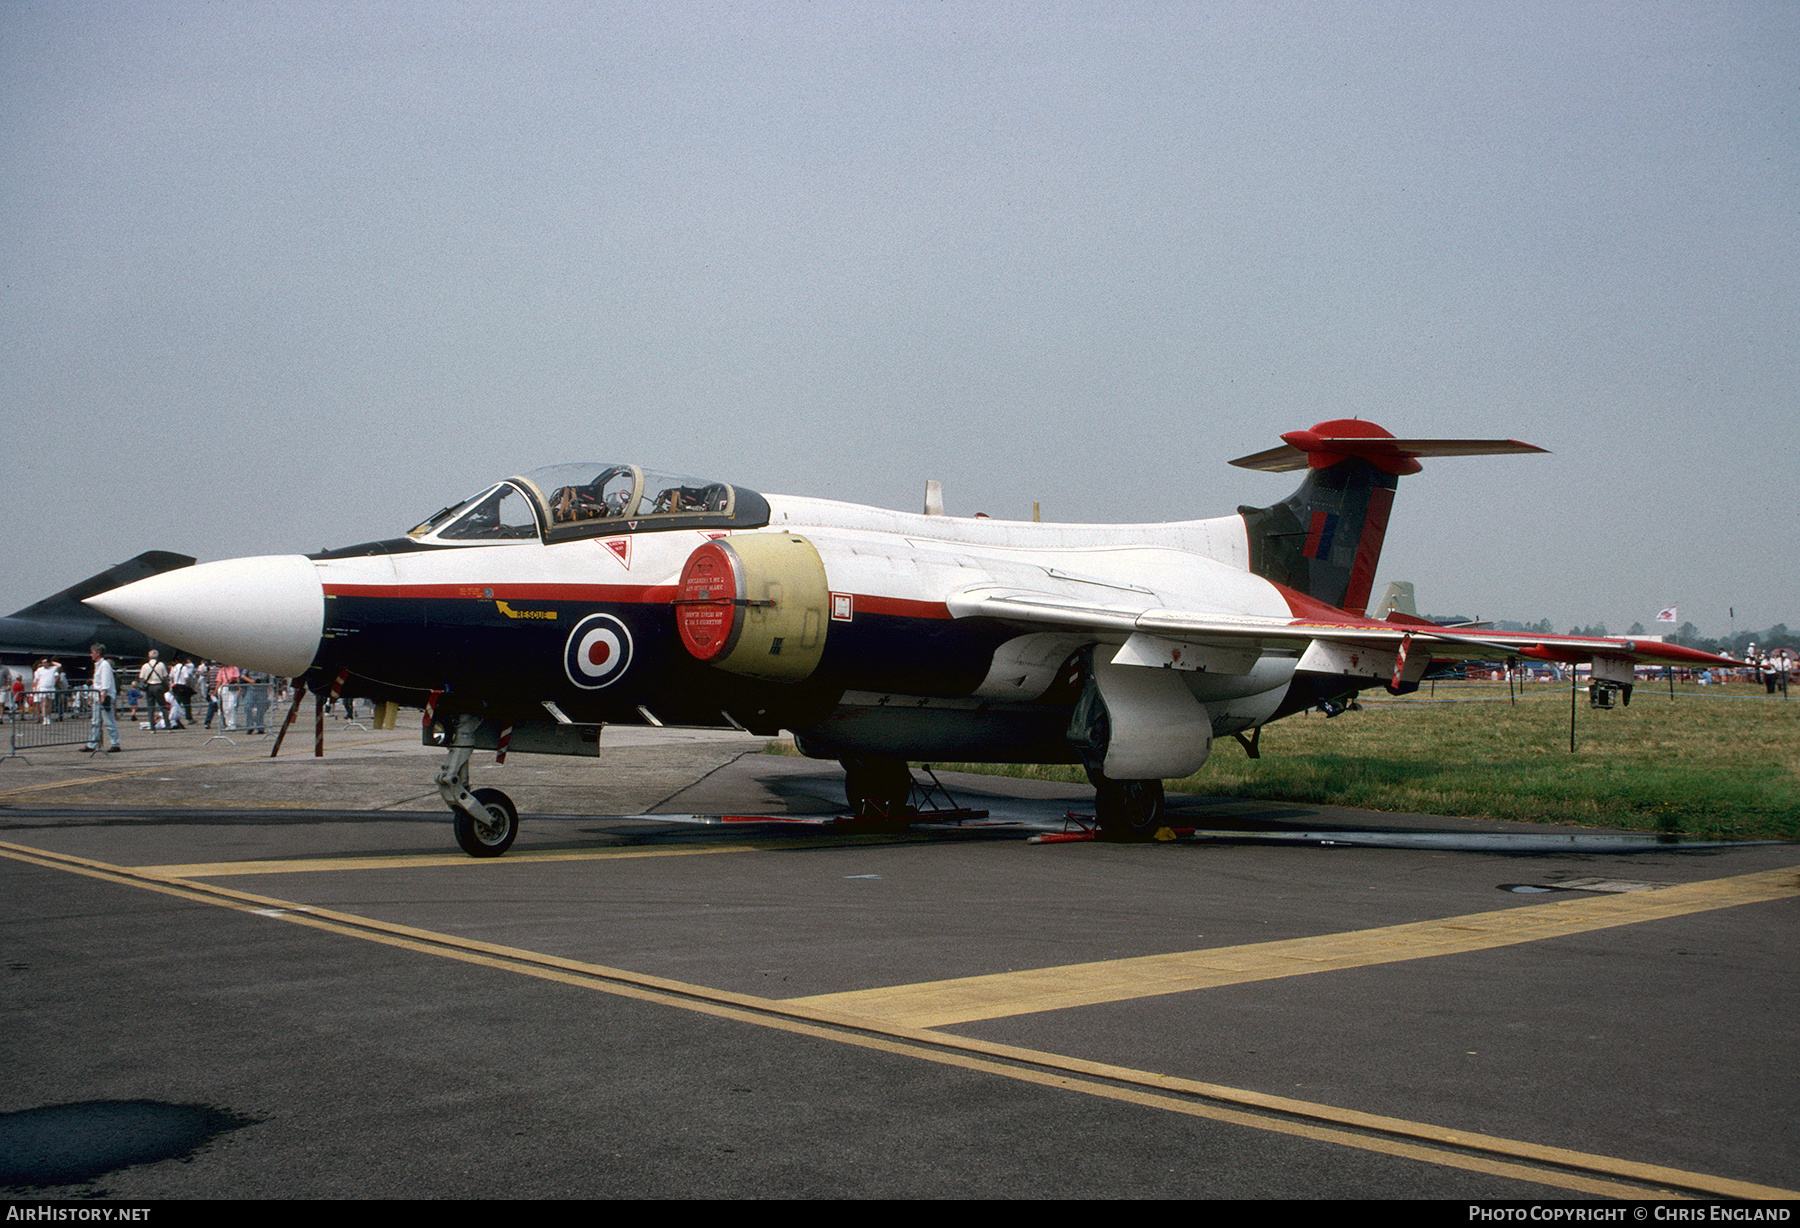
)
(234, 976)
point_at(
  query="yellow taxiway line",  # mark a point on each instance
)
(412, 861)
(935, 1004)
(1555, 1167)
(227, 869)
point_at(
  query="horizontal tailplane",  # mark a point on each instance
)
(1330, 442)
(1325, 539)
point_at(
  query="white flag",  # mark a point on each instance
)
(1669, 615)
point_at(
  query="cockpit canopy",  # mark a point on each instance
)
(564, 502)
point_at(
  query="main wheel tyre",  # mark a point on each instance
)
(493, 837)
(877, 788)
(1128, 809)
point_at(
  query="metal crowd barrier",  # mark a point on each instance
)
(50, 718)
(245, 708)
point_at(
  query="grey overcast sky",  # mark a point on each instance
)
(275, 277)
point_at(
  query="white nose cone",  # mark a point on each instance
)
(263, 613)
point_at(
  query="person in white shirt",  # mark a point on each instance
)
(181, 686)
(43, 688)
(155, 678)
(106, 698)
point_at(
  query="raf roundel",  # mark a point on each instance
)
(598, 652)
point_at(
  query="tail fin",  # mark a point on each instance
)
(1397, 598)
(68, 602)
(1325, 539)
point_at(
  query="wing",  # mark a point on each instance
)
(1326, 640)
(1583, 648)
(1162, 638)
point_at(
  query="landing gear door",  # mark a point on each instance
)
(1133, 723)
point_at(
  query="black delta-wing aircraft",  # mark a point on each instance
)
(61, 626)
(577, 596)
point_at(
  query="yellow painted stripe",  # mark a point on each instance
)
(933, 1004)
(227, 869)
(1411, 1140)
(221, 869)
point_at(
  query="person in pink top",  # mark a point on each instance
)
(227, 692)
(229, 677)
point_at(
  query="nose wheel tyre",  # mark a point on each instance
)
(495, 835)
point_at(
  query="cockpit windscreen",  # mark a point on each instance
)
(593, 500)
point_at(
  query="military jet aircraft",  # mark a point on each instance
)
(61, 626)
(554, 603)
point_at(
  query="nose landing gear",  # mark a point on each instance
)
(485, 820)
(492, 834)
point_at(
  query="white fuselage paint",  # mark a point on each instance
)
(905, 563)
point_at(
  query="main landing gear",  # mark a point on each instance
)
(486, 821)
(877, 788)
(1127, 810)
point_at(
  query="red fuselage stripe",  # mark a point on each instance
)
(899, 607)
(630, 593)
(618, 594)
(1311, 609)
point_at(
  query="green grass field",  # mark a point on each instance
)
(1716, 761)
